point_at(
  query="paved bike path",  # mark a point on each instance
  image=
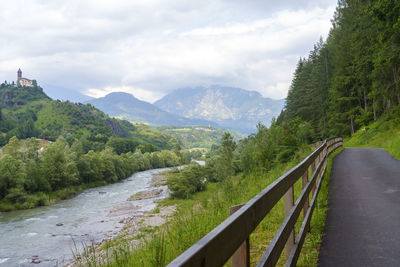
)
(363, 218)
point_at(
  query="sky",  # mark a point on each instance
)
(151, 47)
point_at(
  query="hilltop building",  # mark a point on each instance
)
(24, 81)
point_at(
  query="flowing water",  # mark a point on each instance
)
(30, 234)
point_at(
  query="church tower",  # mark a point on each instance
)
(19, 74)
(23, 81)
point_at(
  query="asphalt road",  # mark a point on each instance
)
(363, 220)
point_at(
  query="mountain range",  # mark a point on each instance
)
(231, 108)
(126, 106)
(218, 106)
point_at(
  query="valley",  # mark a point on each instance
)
(261, 138)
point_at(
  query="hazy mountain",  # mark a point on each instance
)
(64, 94)
(232, 108)
(126, 106)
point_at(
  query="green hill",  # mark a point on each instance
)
(29, 112)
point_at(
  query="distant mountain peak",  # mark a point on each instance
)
(126, 106)
(230, 107)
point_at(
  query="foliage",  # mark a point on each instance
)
(30, 178)
(352, 78)
(204, 210)
(198, 136)
(183, 183)
(259, 152)
(27, 112)
(384, 133)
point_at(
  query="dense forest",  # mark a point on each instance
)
(352, 78)
(31, 177)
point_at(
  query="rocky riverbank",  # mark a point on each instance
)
(136, 227)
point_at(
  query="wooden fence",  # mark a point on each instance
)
(231, 237)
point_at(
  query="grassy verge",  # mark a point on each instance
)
(197, 216)
(384, 133)
(310, 250)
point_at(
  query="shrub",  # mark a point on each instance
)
(187, 181)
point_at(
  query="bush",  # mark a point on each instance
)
(6, 206)
(187, 181)
(43, 199)
(16, 195)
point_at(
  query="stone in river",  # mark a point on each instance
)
(146, 194)
(59, 224)
(35, 261)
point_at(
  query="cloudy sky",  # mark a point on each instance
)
(151, 47)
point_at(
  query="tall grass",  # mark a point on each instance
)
(197, 216)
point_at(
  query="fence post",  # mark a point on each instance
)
(312, 172)
(289, 202)
(241, 257)
(306, 204)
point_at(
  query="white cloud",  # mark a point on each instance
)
(149, 48)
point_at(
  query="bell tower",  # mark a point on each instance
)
(19, 74)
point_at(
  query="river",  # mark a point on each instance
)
(29, 234)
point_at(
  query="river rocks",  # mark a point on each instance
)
(123, 209)
(59, 224)
(146, 194)
(102, 192)
(34, 259)
(159, 179)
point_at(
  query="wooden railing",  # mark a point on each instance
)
(230, 238)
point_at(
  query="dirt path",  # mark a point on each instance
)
(363, 220)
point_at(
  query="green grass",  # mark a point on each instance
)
(385, 133)
(197, 216)
(310, 250)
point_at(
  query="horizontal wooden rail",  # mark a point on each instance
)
(220, 244)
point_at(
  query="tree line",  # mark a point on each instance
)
(28, 177)
(352, 78)
(257, 153)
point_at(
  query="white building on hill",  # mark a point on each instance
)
(23, 81)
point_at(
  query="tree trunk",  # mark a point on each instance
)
(365, 101)
(352, 125)
(396, 82)
(373, 108)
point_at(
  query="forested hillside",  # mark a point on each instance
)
(27, 112)
(352, 78)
